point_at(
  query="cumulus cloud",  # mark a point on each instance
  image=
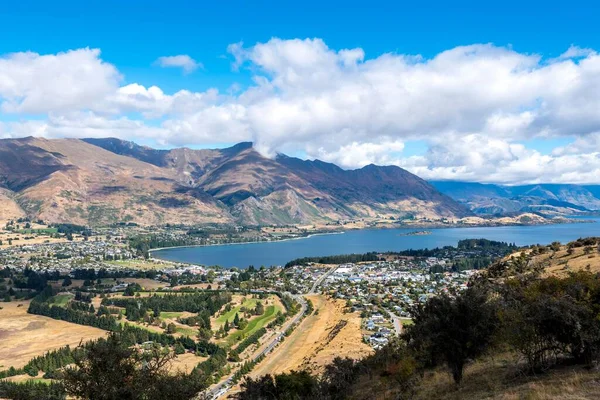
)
(473, 106)
(183, 61)
(34, 83)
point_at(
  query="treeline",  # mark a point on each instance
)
(71, 228)
(106, 322)
(91, 274)
(481, 253)
(249, 341)
(291, 306)
(473, 246)
(131, 334)
(48, 363)
(214, 366)
(338, 259)
(468, 244)
(31, 390)
(143, 244)
(112, 369)
(246, 367)
(191, 302)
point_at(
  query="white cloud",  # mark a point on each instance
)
(575, 52)
(473, 106)
(183, 61)
(34, 83)
(84, 125)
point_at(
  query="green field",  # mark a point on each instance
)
(187, 331)
(61, 299)
(170, 315)
(230, 315)
(406, 321)
(254, 325)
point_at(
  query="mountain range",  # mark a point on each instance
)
(106, 181)
(543, 199)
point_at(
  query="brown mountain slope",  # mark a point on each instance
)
(387, 189)
(68, 180)
(102, 181)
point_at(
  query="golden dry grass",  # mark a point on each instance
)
(503, 378)
(560, 263)
(314, 343)
(24, 336)
(185, 362)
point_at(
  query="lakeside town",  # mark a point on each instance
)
(353, 304)
(381, 291)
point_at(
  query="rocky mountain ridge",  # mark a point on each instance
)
(545, 199)
(107, 181)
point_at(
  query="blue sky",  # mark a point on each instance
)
(132, 35)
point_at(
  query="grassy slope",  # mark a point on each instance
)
(502, 377)
(61, 299)
(254, 325)
(230, 315)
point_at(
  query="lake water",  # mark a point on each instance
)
(363, 241)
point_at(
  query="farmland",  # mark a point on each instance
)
(42, 334)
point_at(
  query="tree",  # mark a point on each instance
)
(242, 324)
(236, 320)
(109, 370)
(293, 385)
(226, 326)
(453, 330)
(129, 291)
(67, 282)
(179, 349)
(204, 334)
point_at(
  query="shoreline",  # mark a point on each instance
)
(238, 243)
(426, 226)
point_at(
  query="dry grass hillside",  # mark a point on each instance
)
(68, 180)
(104, 181)
(502, 378)
(504, 375)
(322, 336)
(560, 259)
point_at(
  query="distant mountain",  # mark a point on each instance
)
(545, 199)
(103, 181)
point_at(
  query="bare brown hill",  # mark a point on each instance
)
(103, 181)
(68, 180)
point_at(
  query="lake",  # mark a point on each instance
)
(363, 241)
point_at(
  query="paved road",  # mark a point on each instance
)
(320, 280)
(223, 387)
(397, 324)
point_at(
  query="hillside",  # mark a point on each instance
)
(68, 180)
(104, 181)
(545, 199)
(561, 259)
